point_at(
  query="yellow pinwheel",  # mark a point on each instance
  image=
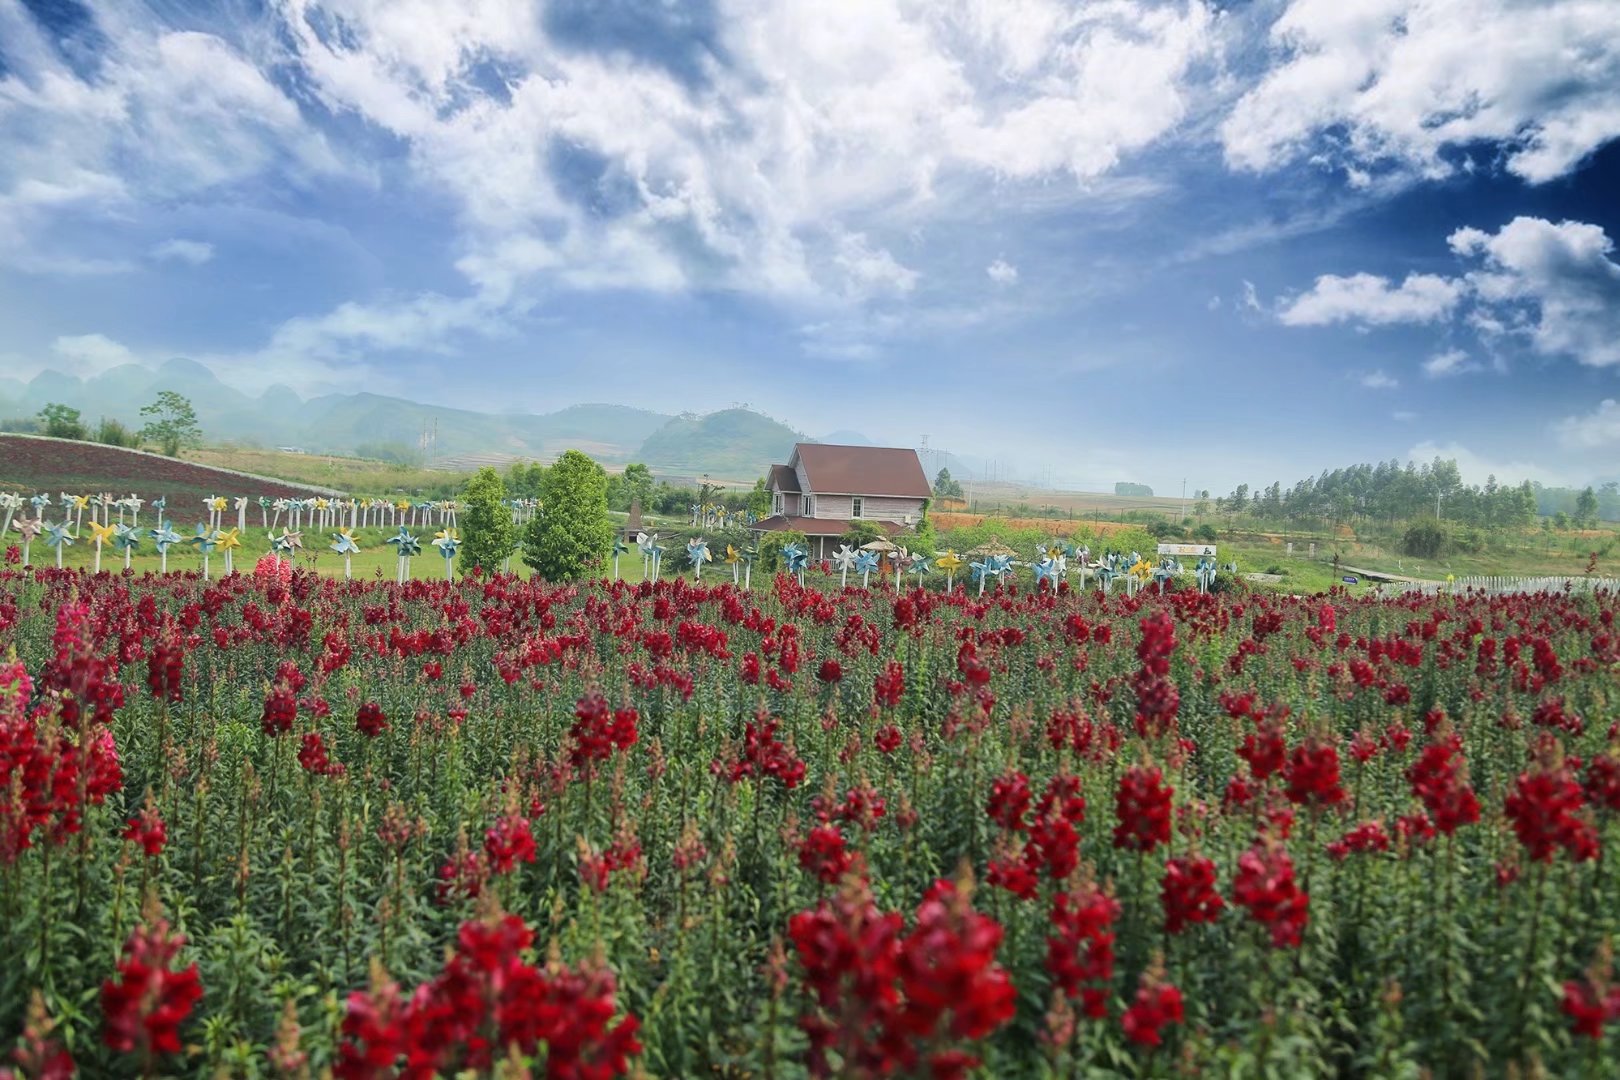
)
(100, 535)
(228, 541)
(218, 503)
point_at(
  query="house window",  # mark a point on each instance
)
(776, 503)
(807, 505)
(856, 505)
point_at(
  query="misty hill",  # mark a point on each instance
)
(366, 424)
(732, 444)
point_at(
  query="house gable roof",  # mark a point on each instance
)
(862, 470)
(783, 479)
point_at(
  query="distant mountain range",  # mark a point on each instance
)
(732, 444)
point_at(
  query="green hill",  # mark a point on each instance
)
(732, 444)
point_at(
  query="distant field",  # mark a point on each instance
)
(989, 496)
(30, 464)
(1054, 526)
(363, 476)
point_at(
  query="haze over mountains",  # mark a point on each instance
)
(733, 443)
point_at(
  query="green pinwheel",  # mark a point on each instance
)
(406, 545)
(619, 548)
(919, 566)
(163, 538)
(126, 539)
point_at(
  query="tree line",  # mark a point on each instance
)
(1388, 492)
(171, 424)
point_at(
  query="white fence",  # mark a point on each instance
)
(1505, 586)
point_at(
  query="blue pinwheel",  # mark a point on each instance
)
(58, 537)
(844, 559)
(919, 566)
(797, 559)
(448, 541)
(697, 553)
(204, 540)
(163, 538)
(39, 502)
(865, 563)
(1205, 572)
(1046, 570)
(160, 504)
(344, 544)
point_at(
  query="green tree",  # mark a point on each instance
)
(862, 533)
(572, 534)
(946, 487)
(172, 423)
(1586, 508)
(489, 536)
(62, 422)
(758, 501)
(1560, 521)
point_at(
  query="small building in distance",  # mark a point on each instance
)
(823, 490)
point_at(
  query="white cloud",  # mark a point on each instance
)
(195, 252)
(1378, 380)
(872, 269)
(824, 120)
(1449, 362)
(1597, 430)
(1002, 272)
(86, 355)
(1476, 469)
(166, 114)
(1410, 83)
(1404, 416)
(1251, 298)
(1374, 301)
(1554, 284)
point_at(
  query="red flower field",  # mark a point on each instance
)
(271, 826)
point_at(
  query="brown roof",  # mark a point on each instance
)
(862, 470)
(783, 478)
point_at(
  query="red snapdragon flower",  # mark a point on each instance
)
(1544, 807)
(1157, 1005)
(370, 720)
(509, 842)
(1312, 774)
(1080, 949)
(144, 1006)
(1265, 886)
(1189, 894)
(1142, 806)
(147, 830)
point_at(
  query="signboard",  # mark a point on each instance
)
(1196, 551)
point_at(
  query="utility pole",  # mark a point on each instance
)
(1183, 517)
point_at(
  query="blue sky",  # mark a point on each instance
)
(1118, 239)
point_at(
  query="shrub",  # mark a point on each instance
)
(1425, 540)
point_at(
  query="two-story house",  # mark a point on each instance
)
(823, 490)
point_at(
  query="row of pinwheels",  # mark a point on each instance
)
(716, 516)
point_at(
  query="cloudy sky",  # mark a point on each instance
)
(1100, 240)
